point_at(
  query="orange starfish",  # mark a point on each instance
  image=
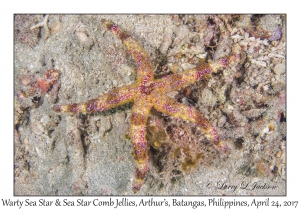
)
(149, 93)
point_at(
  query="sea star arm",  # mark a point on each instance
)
(224, 62)
(139, 117)
(143, 61)
(170, 107)
(104, 102)
(178, 81)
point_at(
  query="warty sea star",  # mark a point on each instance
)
(149, 93)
